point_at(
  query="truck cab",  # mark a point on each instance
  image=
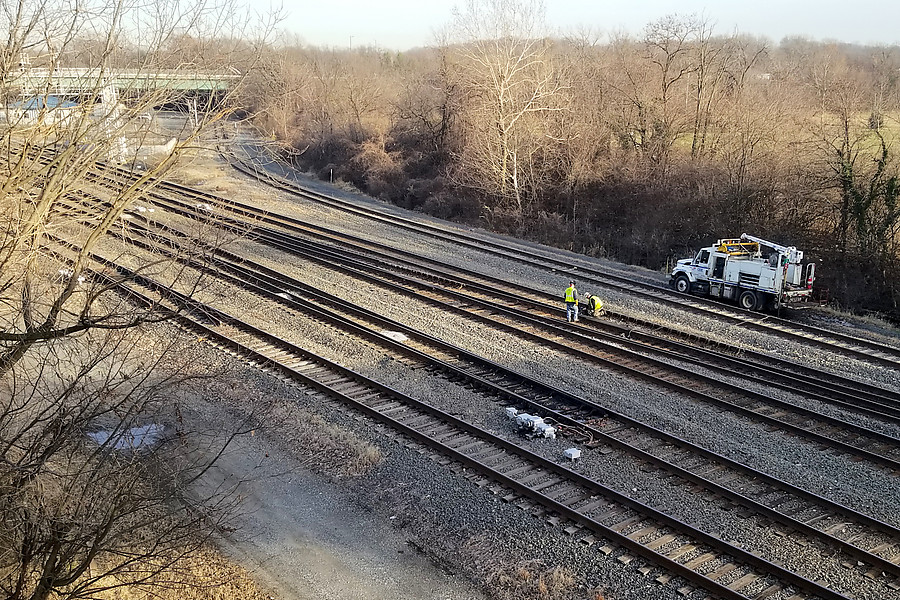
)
(692, 275)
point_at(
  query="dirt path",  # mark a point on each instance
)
(304, 538)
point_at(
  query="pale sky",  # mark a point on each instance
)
(403, 24)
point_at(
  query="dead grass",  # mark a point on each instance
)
(203, 170)
(320, 445)
(831, 318)
(205, 575)
(208, 173)
(208, 575)
(533, 580)
(324, 446)
(505, 580)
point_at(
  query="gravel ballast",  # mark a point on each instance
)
(471, 531)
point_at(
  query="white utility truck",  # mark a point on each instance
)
(754, 272)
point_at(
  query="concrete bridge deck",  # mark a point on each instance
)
(63, 81)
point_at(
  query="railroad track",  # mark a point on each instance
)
(844, 393)
(610, 437)
(857, 347)
(788, 375)
(868, 351)
(881, 449)
(821, 386)
(760, 494)
(565, 497)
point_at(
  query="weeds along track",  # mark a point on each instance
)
(861, 348)
(797, 513)
(545, 488)
(844, 437)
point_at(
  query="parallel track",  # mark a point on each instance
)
(851, 345)
(846, 437)
(867, 399)
(761, 494)
(623, 434)
(725, 570)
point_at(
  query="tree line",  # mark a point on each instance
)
(637, 148)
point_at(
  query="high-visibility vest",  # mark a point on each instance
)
(571, 294)
(596, 303)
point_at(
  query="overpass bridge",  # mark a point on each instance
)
(107, 85)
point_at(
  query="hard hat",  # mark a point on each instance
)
(571, 282)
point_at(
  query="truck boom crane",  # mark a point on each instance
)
(794, 254)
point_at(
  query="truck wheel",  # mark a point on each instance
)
(682, 284)
(748, 300)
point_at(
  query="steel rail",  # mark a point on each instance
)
(273, 285)
(881, 403)
(860, 348)
(836, 424)
(885, 403)
(852, 550)
(505, 446)
(330, 259)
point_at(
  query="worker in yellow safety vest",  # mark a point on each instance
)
(594, 304)
(571, 302)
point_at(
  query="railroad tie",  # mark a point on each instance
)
(743, 582)
(696, 562)
(681, 551)
(723, 570)
(661, 541)
(769, 591)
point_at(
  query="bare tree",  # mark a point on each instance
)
(278, 91)
(96, 472)
(510, 88)
(886, 84)
(696, 130)
(668, 43)
(427, 108)
(586, 67)
(61, 123)
(744, 134)
(860, 171)
(86, 514)
(712, 59)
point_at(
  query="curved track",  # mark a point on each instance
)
(797, 512)
(858, 347)
(844, 436)
(568, 498)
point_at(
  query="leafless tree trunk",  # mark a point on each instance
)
(668, 44)
(712, 62)
(86, 514)
(510, 87)
(428, 106)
